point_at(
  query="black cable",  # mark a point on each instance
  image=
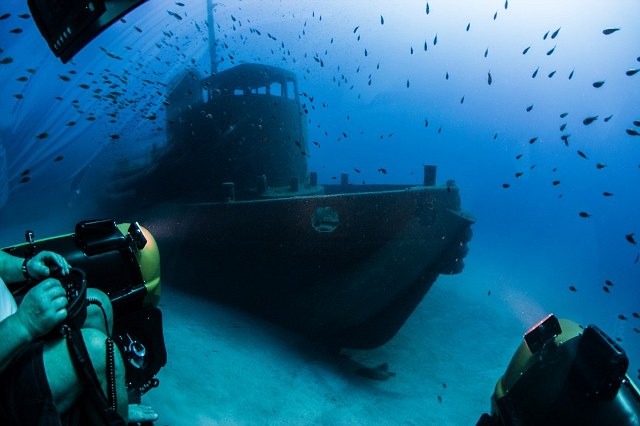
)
(111, 364)
(91, 301)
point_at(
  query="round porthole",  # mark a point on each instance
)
(325, 219)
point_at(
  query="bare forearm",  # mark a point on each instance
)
(10, 267)
(14, 336)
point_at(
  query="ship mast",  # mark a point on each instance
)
(212, 38)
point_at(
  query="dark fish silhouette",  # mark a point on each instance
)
(632, 71)
(533, 140)
(544, 37)
(462, 100)
(622, 317)
(489, 79)
(563, 126)
(535, 73)
(16, 30)
(5, 16)
(524, 52)
(582, 154)
(633, 132)
(505, 185)
(589, 120)
(565, 139)
(607, 118)
(572, 288)
(425, 46)
(555, 33)
(555, 183)
(506, 4)
(610, 31)
(564, 114)
(486, 52)
(606, 289)
(607, 194)
(630, 238)
(42, 135)
(551, 51)
(636, 123)
(551, 74)
(435, 39)
(178, 17)
(600, 166)
(495, 15)
(381, 20)
(426, 9)
(598, 84)
(59, 158)
(407, 83)
(468, 26)
(356, 29)
(584, 214)
(529, 108)
(382, 170)
(571, 74)
(7, 60)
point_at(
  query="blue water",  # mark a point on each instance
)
(531, 230)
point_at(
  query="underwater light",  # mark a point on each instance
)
(69, 25)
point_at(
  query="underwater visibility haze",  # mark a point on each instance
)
(532, 107)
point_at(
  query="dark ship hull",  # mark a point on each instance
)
(346, 268)
(242, 221)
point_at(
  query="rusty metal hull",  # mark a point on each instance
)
(347, 268)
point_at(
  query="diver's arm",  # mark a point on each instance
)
(10, 267)
(42, 308)
(14, 336)
(37, 267)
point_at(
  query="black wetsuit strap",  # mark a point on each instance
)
(80, 358)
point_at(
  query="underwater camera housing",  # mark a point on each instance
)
(69, 25)
(565, 374)
(123, 261)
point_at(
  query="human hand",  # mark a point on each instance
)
(39, 266)
(43, 307)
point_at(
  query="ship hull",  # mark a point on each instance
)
(346, 268)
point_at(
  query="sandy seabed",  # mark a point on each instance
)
(229, 368)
